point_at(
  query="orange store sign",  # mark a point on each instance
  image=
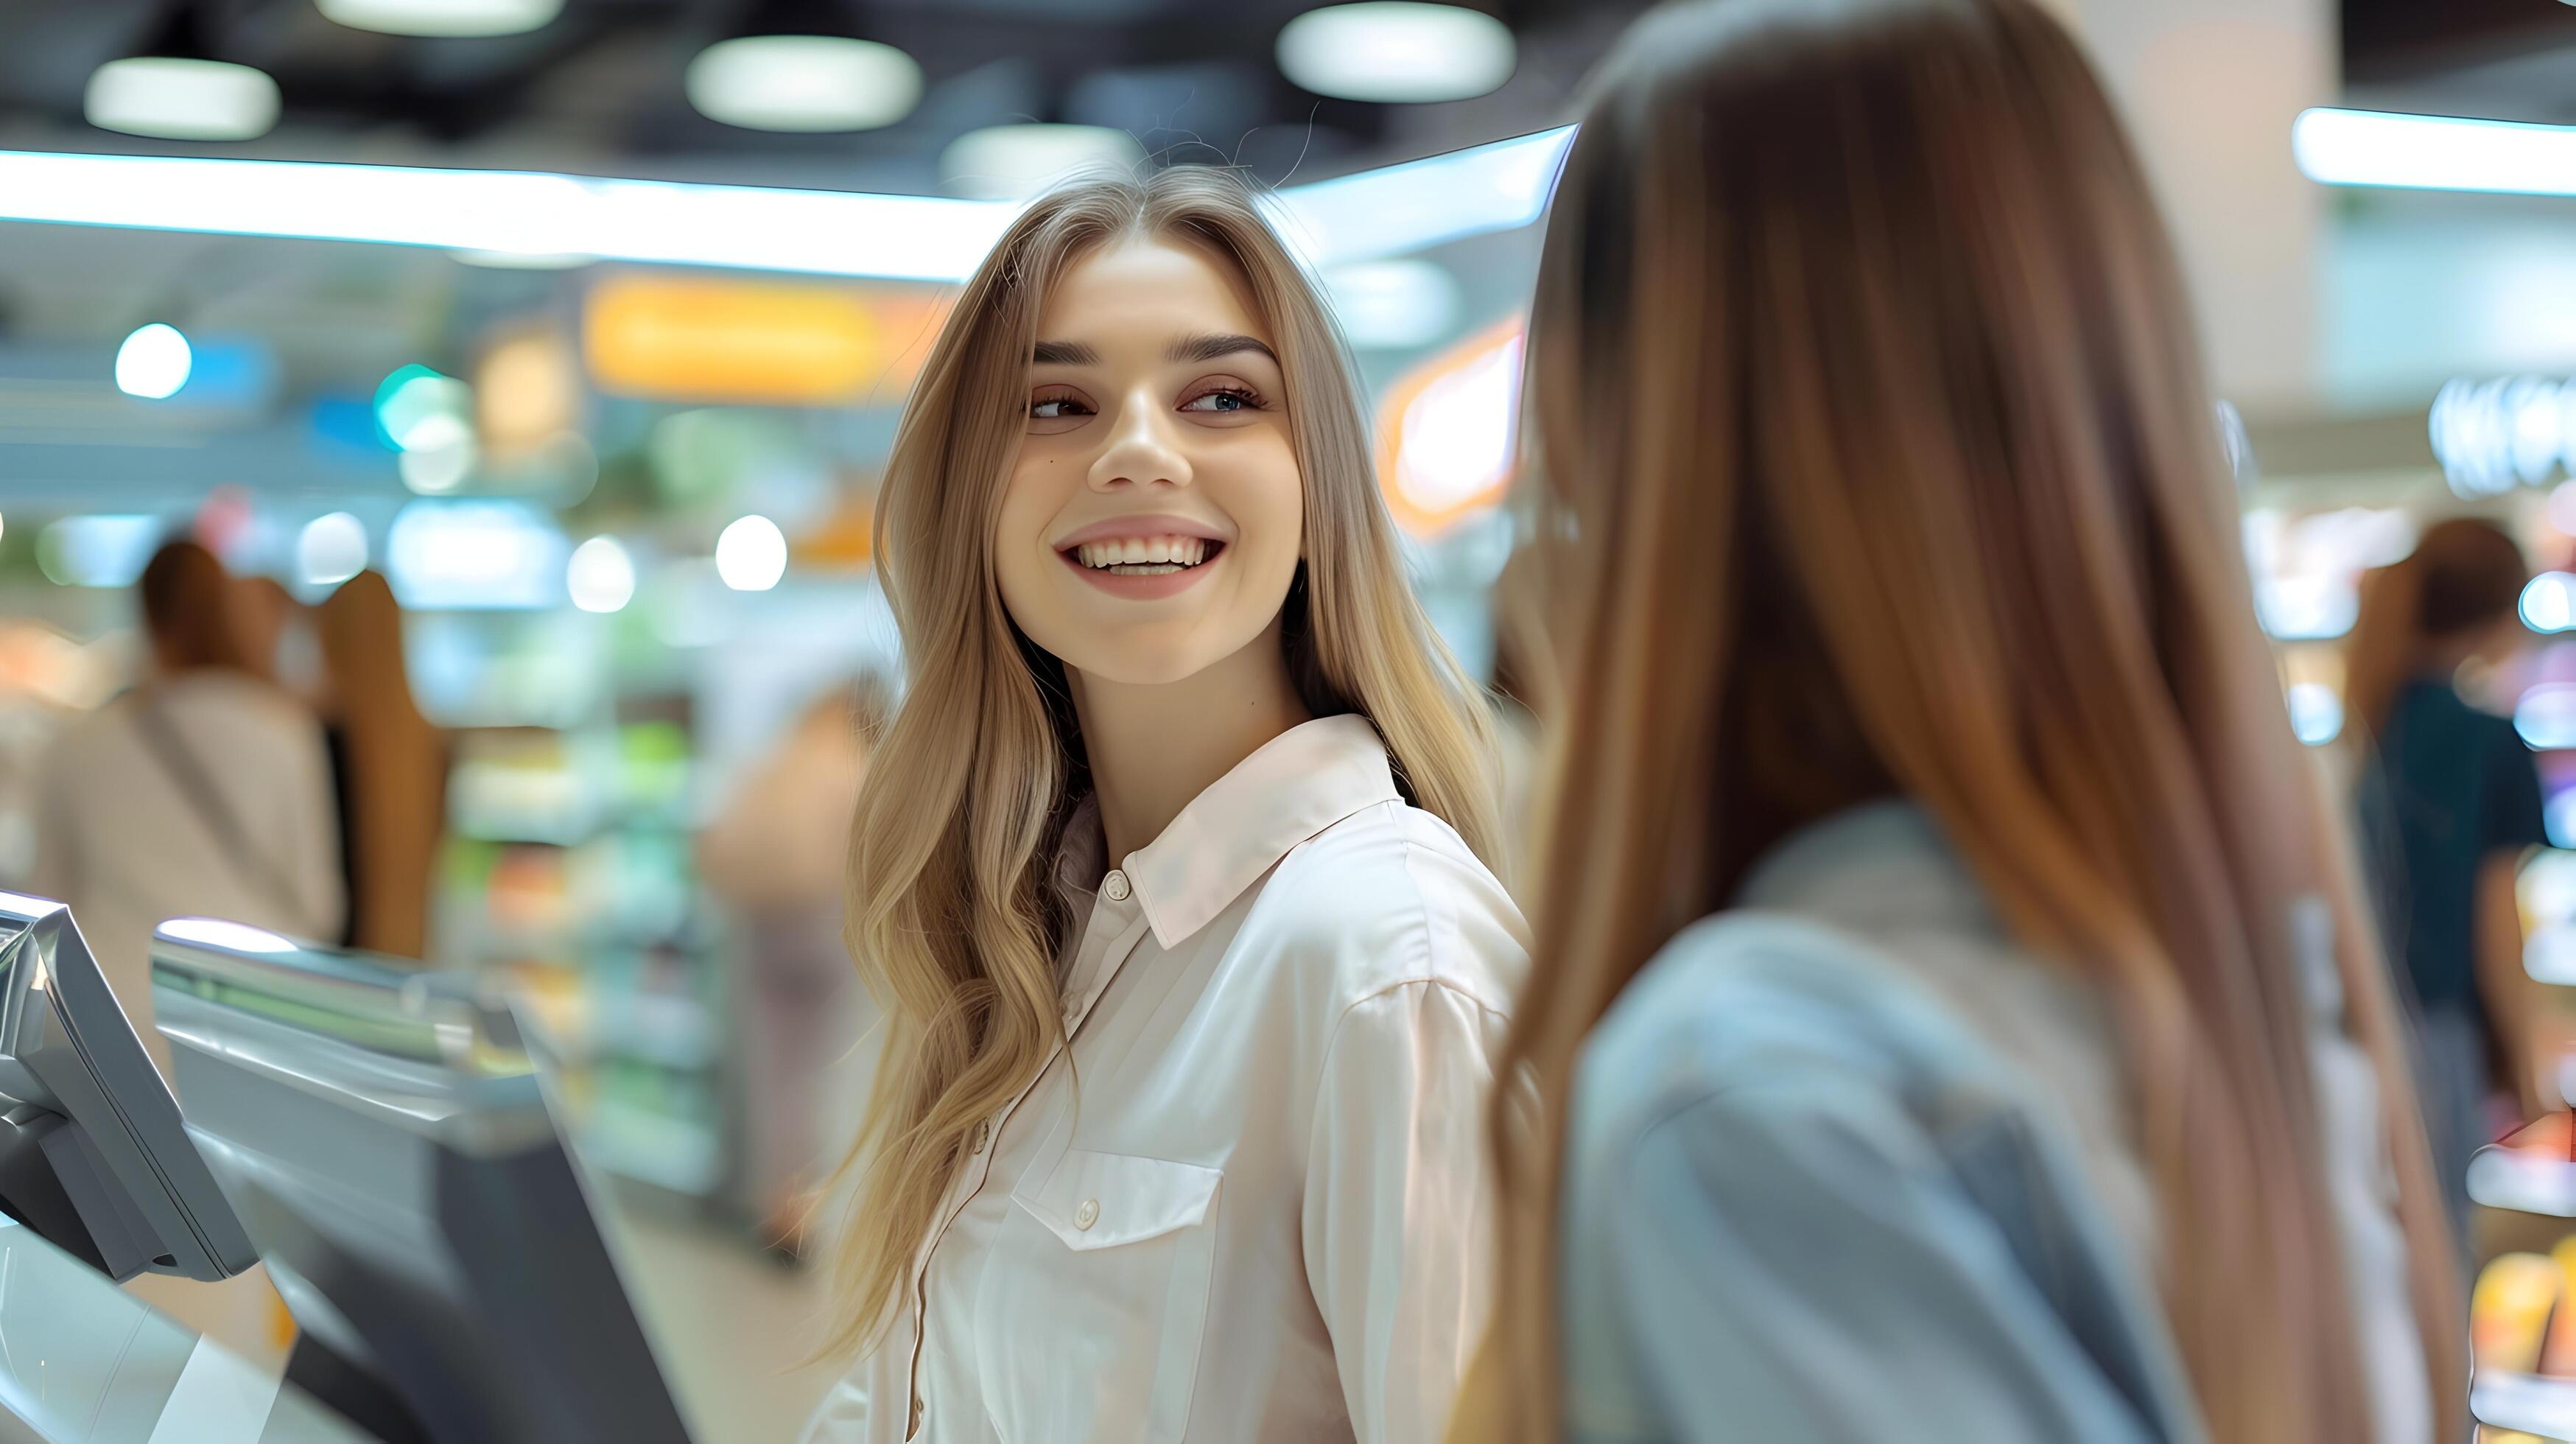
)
(707, 339)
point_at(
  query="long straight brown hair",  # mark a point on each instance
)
(397, 767)
(950, 916)
(1869, 453)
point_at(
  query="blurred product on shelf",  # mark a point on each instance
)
(390, 766)
(2450, 804)
(2522, 1336)
(774, 855)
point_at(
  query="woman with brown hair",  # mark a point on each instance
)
(2450, 804)
(1952, 1016)
(391, 764)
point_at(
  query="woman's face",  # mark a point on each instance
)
(1152, 522)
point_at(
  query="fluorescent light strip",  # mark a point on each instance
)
(839, 233)
(2434, 152)
(1420, 204)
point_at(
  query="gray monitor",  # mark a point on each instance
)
(389, 1144)
(93, 1156)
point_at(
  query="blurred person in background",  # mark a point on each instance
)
(202, 791)
(2450, 805)
(263, 611)
(778, 855)
(1166, 873)
(389, 765)
(1953, 1013)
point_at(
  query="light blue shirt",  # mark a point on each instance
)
(1844, 1164)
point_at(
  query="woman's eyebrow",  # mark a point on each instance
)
(1208, 348)
(1064, 353)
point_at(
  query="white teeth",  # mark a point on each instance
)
(1150, 556)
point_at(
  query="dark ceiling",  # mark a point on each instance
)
(600, 88)
(2497, 59)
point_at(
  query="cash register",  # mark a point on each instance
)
(93, 1157)
(387, 1139)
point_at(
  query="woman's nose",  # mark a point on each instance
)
(1142, 450)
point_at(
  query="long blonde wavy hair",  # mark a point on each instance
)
(1870, 454)
(952, 919)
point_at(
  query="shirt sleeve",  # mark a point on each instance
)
(2510, 811)
(1399, 1210)
(1800, 1262)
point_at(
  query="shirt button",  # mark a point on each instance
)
(1088, 1214)
(1115, 888)
(983, 1135)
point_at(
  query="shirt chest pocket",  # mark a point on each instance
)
(1090, 1309)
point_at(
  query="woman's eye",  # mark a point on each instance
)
(1056, 408)
(1224, 400)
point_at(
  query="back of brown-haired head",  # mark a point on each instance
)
(1869, 451)
(188, 609)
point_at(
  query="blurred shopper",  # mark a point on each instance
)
(778, 855)
(1167, 874)
(263, 610)
(202, 791)
(1953, 1018)
(2450, 803)
(390, 767)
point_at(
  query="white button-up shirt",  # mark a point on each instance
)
(1254, 1204)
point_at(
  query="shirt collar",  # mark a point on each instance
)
(1876, 867)
(1290, 789)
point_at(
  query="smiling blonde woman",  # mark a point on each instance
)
(1186, 802)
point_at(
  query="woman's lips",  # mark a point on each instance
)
(1147, 587)
(1147, 524)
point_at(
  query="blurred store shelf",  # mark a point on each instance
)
(2530, 1403)
(2531, 1171)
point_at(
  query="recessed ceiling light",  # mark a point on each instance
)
(154, 362)
(169, 98)
(803, 83)
(1396, 51)
(442, 17)
(1008, 162)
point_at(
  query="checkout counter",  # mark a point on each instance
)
(382, 1138)
(84, 1362)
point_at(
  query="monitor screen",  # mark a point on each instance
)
(388, 1143)
(93, 1156)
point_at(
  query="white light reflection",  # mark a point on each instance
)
(231, 937)
(751, 554)
(469, 555)
(2316, 713)
(331, 549)
(2546, 717)
(1457, 435)
(601, 577)
(2549, 602)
